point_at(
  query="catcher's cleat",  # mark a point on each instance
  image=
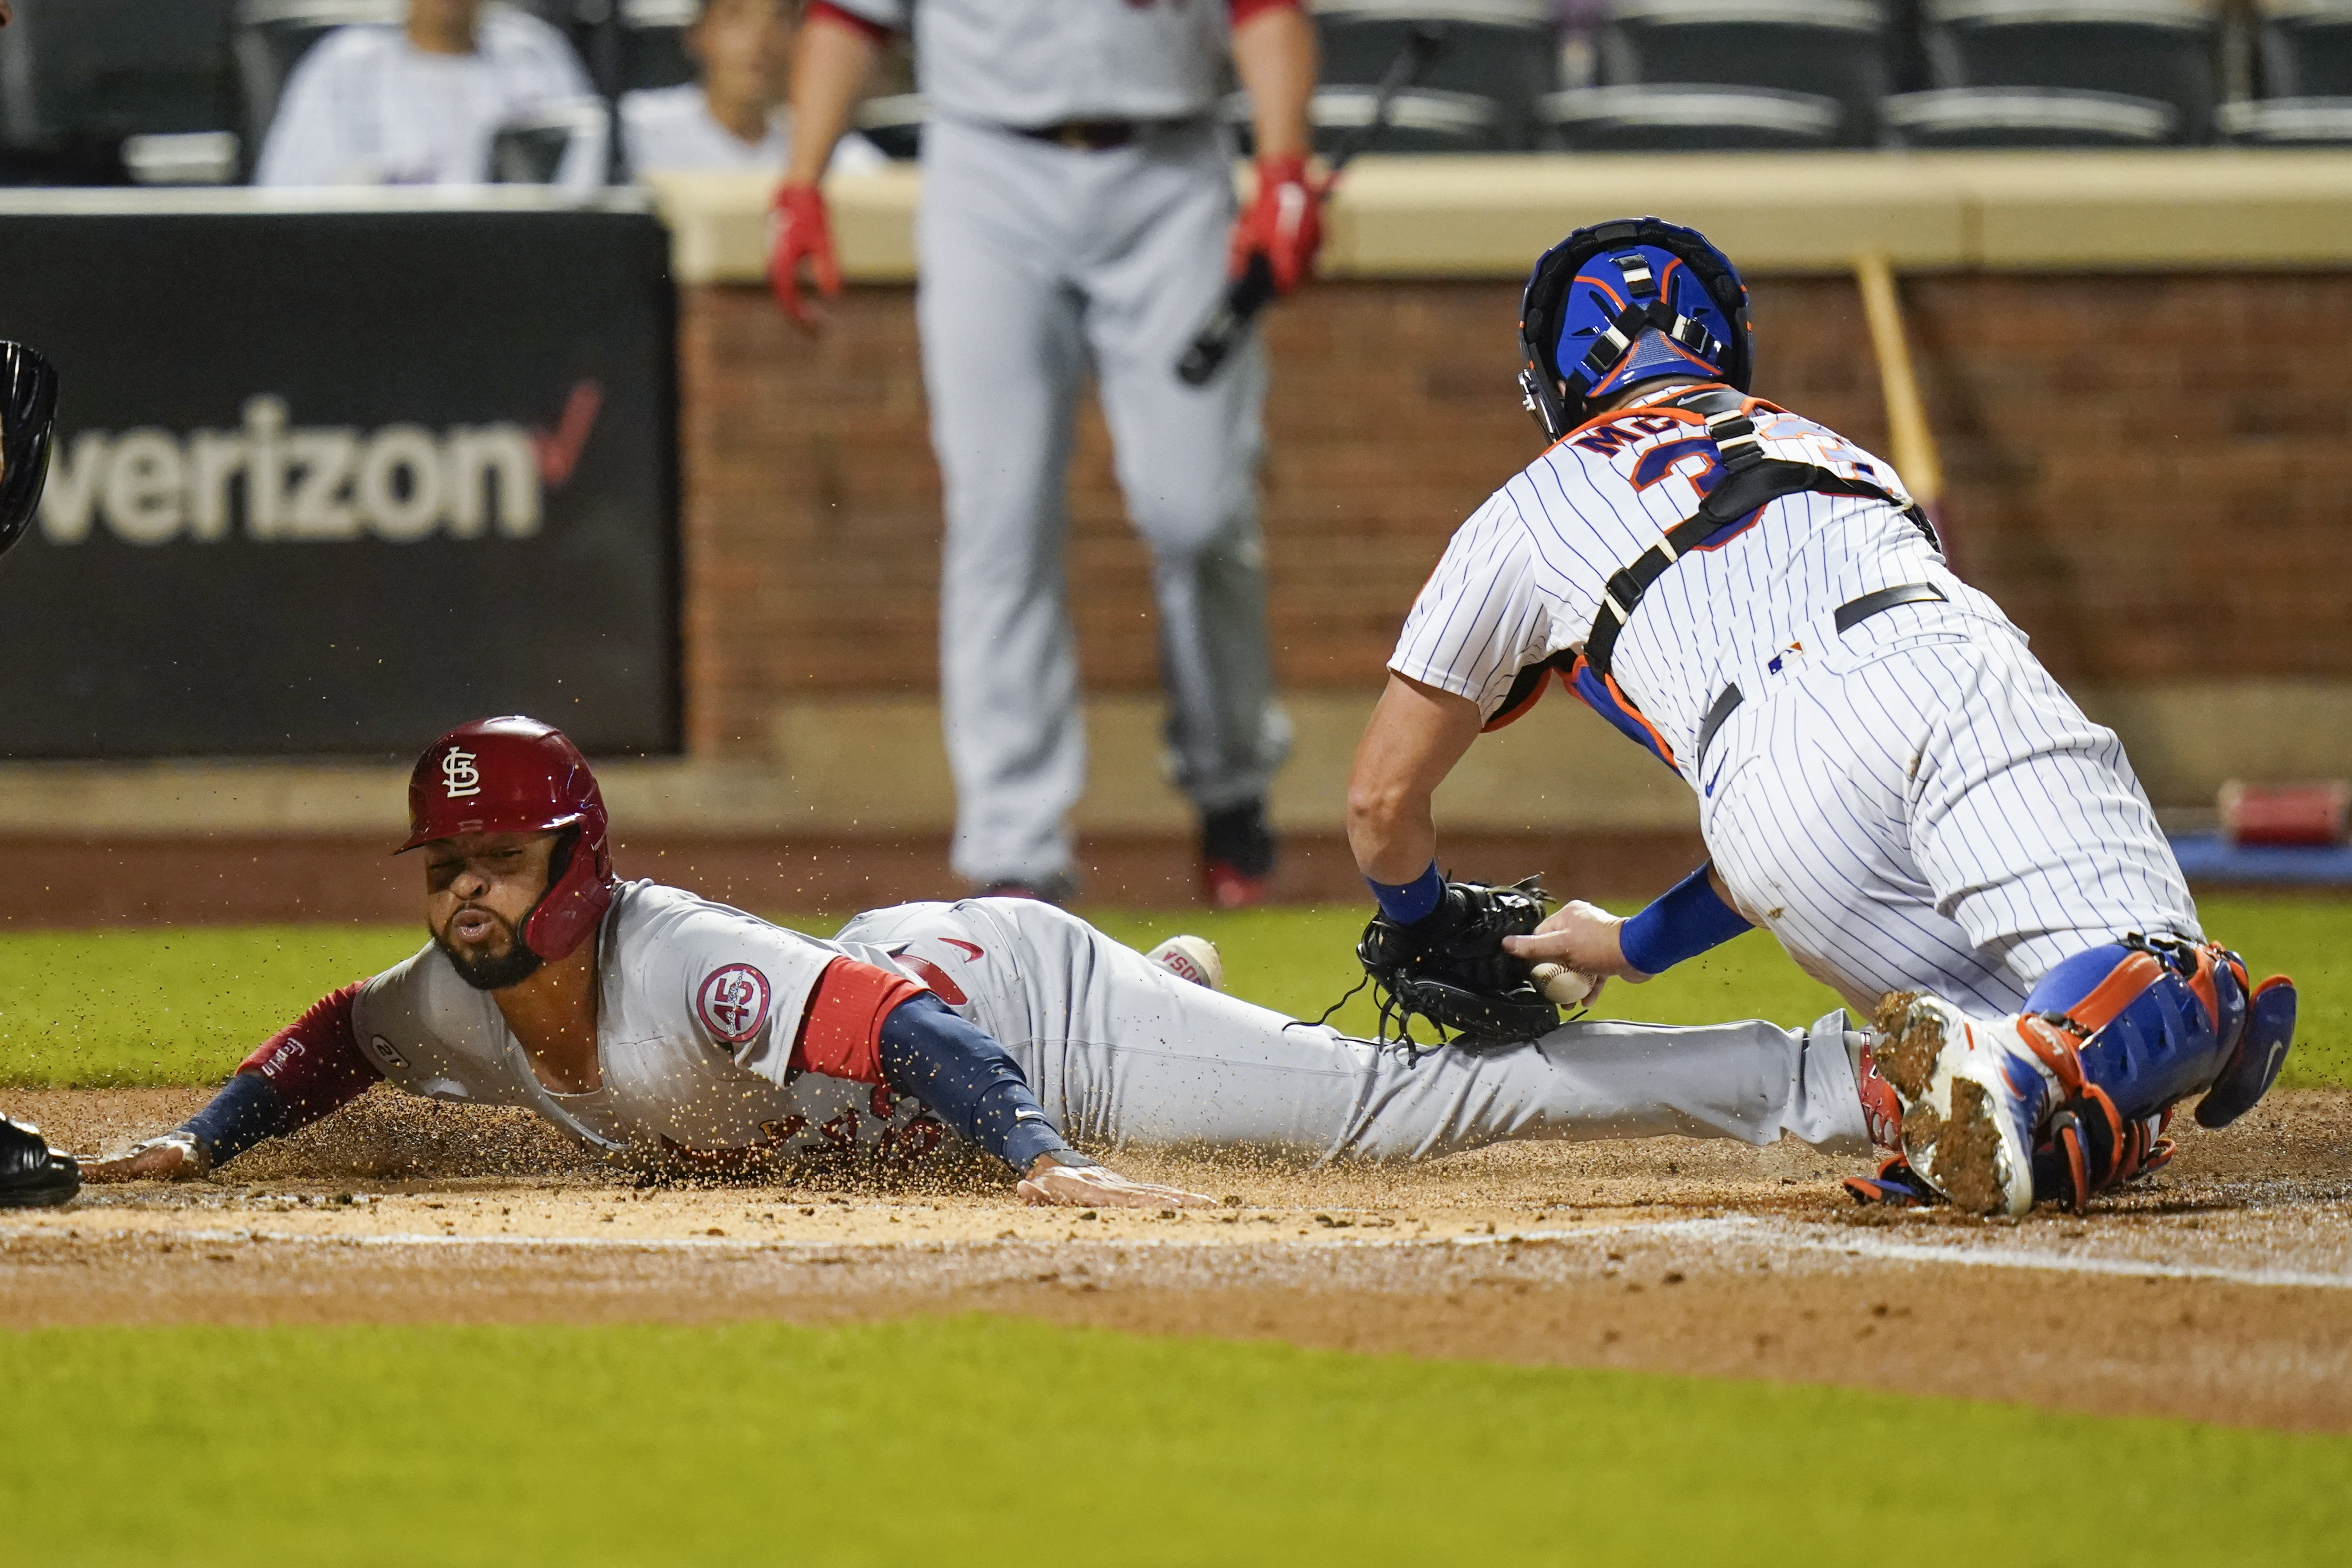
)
(1882, 1108)
(1973, 1093)
(32, 1174)
(1193, 958)
(1896, 1186)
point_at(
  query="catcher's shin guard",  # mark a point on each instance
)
(2130, 1028)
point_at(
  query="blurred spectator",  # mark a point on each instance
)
(733, 118)
(420, 104)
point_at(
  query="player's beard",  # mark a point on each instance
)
(493, 972)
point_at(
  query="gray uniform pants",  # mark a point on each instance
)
(1123, 1053)
(1040, 264)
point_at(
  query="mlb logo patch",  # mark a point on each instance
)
(732, 1002)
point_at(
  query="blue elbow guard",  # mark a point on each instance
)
(970, 1080)
(247, 1109)
(1681, 922)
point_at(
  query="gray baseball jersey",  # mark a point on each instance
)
(1907, 801)
(701, 1006)
(1040, 62)
(1043, 264)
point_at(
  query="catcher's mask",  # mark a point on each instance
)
(1621, 302)
(29, 412)
(516, 775)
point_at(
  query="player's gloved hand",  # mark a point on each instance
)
(174, 1156)
(1450, 965)
(799, 231)
(1051, 1184)
(1284, 221)
(1580, 936)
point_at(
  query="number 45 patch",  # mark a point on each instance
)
(732, 1002)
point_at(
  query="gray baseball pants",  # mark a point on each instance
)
(1122, 1053)
(1042, 263)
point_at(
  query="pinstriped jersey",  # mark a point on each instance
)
(1523, 577)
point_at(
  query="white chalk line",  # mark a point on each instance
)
(1735, 1229)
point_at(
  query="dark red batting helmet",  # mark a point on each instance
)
(516, 775)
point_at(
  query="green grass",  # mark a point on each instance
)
(980, 1441)
(184, 1005)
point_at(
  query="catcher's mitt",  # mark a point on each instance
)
(1450, 968)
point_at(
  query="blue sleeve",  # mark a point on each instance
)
(970, 1080)
(1681, 922)
(247, 1109)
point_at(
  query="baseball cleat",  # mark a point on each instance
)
(1237, 855)
(32, 1174)
(1193, 958)
(1882, 1108)
(1972, 1096)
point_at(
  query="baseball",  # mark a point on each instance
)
(1561, 983)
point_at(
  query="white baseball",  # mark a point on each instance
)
(1563, 984)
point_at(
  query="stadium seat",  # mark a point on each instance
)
(2304, 50)
(82, 76)
(1420, 121)
(652, 38)
(1503, 52)
(2147, 50)
(2306, 47)
(1821, 49)
(2027, 116)
(530, 152)
(1691, 118)
(894, 123)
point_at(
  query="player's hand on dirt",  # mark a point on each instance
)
(1580, 936)
(1051, 1184)
(1284, 221)
(799, 231)
(174, 1156)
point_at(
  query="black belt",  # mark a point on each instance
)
(1090, 135)
(1850, 614)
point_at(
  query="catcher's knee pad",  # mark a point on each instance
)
(2143, 1021)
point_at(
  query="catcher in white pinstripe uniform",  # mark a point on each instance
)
(1889, 781)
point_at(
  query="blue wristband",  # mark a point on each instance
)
(1407, 902)
(1681, 922)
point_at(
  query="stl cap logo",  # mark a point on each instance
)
(459, 776)
(733, 1002)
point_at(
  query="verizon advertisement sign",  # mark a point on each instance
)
(331, 482)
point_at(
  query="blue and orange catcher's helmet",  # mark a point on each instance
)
(1625, 302)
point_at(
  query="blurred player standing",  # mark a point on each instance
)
(732, 115)
(1078, 218)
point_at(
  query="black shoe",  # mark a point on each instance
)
(32, 1174)
(1237, 855)
(1053, 890)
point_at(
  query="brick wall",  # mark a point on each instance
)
(2146, 470)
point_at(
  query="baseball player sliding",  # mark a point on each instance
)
(1888, 782)
(1079, 220)
(668, 1030)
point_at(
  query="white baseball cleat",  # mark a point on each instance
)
(1098, 1187)
(1973, 1096)
(1193, 958)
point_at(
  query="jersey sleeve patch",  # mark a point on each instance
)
(732, 1002)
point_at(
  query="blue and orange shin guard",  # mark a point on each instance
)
(2129, 1028)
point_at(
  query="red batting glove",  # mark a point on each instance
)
(797, 232)
(1285, 221)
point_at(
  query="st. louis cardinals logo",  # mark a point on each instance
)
(733, 1002)
(459, 776)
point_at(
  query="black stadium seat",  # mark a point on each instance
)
(1831, 49)
(84, 75)
(653, 43)
(2305, 49)
(2137, 71)
(1505, 52)
(1691, 118)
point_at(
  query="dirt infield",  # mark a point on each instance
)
(2221, 1290)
